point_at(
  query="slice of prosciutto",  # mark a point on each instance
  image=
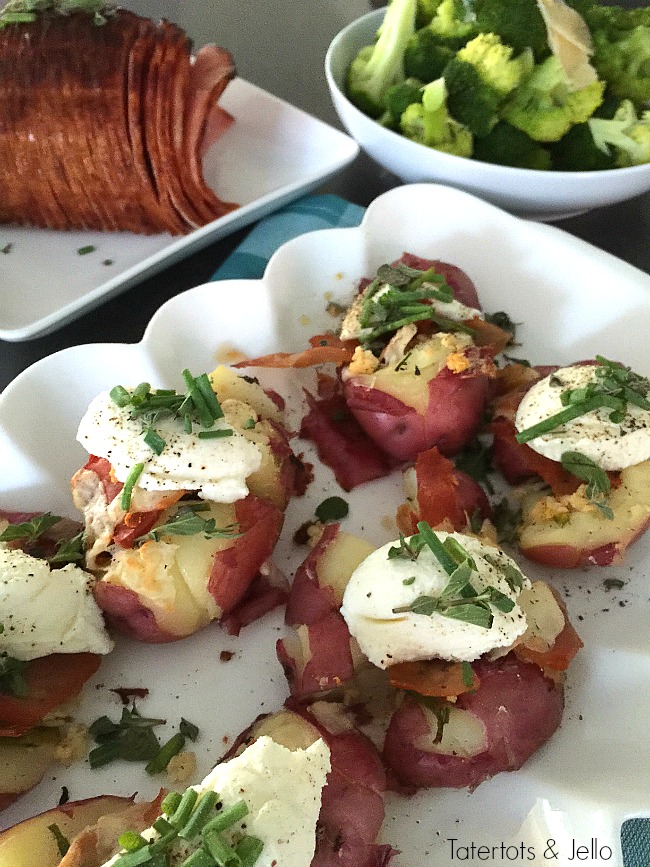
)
(105, 127)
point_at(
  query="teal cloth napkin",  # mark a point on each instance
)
(249, 260)
(324, 211)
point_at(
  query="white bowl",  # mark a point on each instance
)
(529, 192)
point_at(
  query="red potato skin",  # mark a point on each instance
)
(519, 708)
(125, 612)
(460, 282)
(454, 414)
(569, 557)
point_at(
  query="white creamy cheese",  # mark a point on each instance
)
(45, 611)
(282, 790)
(612, 446)
(380, 585)
(216, 468)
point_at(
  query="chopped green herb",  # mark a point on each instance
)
(12, 676)
(598, 484)
(408, 581)
(201, 818)
(506, 520)
(407, 550)
(7, 248)
(502, 320)
(475, 460)
(215, 434)
(332, 509)
(26, 11)
(132, 739)
(30, 530)
(522, 361)
(166, 753)
(129, 484)
(188, 729)
(468, 674)
(438, 706)
(186, 522)
(68, 551)
(155, 442)
(249, 424)
(108, 262)
(62, 842)
(131, 841)
(83, 251)
(613, 584)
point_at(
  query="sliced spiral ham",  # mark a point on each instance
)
(104, 127)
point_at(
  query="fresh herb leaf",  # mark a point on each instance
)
(438, 707)
(332, 509)
(30, 530)
(83, 251)
(220, 433)
(502, 320)
(62, 842)
(408, 581)
(188, 729)
(598, 485)
(186, 522)
(475, 460)
(132, 739)
(12, 676)
(613, 584)
(108, 262)
(506, 520)
(407, 550)
(7, 248)
(165, 754)
(468, 674)
(68, 551)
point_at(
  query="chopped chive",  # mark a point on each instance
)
(200, 818)
(62, 842)
(162, 826)
(249, 850)
(223, 854)
(249, 424)
(437, 548)
(134, 859)
(89, 248)
(468, 674)
(185, 806)
(187, 423)
(163, 842)
(548, 424)
(204, 386)
(155, 442)
(104, 754)
(200, 858)
(127, 490)
(215, 434)
(120, 396)
(131, 841)
(198, 400)
(228, 817)
(170, 803)
(168, 750)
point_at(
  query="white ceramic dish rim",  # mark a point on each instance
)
(38, 414)
(151, 254)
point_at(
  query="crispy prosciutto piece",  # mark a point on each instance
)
(342, 444)
(109, 123)
(445, 495)
(496, 728)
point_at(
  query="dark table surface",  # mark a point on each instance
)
(282, 50)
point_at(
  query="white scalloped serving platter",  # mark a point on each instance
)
(573, 301)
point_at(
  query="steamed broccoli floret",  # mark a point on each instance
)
(425, 11)
(453, 25)
(480, 78)
(429, 123)
(425, 58)
(626, 136)
(545, 107)
(577, 152)
(398, 99)
(621, 40)
(508, 146)
(377, 67)
(518, 22)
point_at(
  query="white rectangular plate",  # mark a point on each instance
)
(573, 301)
(272, 154)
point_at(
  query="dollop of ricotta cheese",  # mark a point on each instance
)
(216, 468)
(381, 584)
(46, 611)
(282, 790)
(613, 446)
